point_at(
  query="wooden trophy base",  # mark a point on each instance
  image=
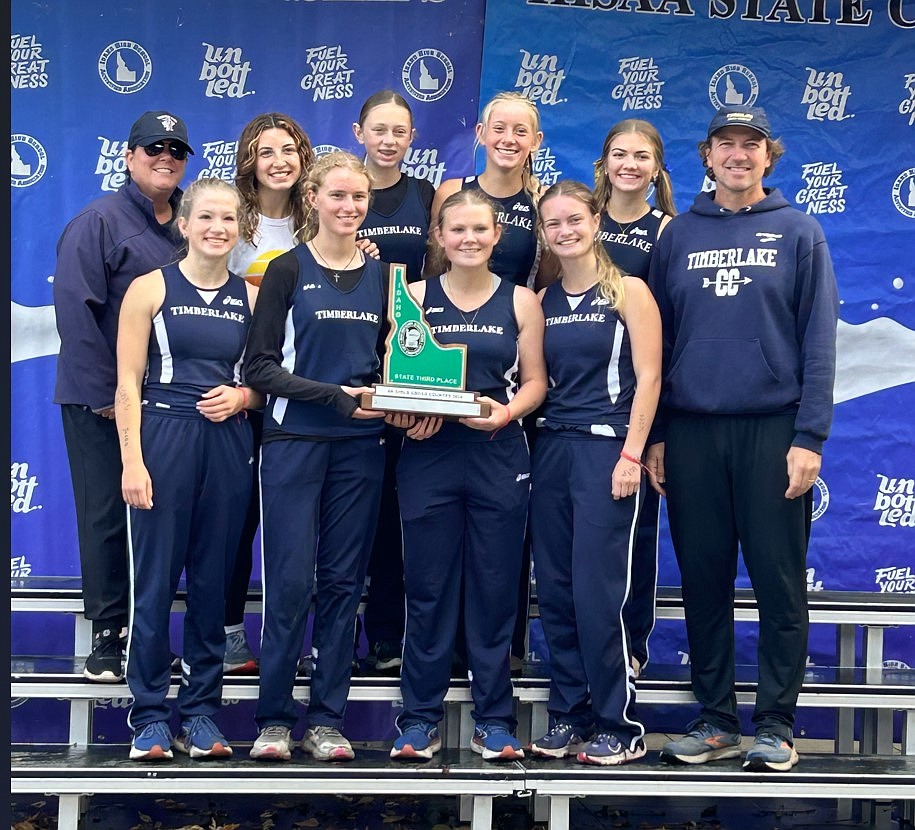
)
(419, 400)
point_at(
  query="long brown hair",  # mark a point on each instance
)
(663, 187)
(246, 164)
(609, 276)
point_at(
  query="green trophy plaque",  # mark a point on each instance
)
(421, 376)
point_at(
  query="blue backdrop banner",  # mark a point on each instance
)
(837, 79)
(81, 73)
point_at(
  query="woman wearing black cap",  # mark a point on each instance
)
(100, 252)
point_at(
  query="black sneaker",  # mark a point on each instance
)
(106, 662)
(387, 656)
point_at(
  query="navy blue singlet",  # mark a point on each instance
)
(196, 343)
(516, 257)
(589, 364)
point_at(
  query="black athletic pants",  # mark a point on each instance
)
(101, 515)
(726, 479)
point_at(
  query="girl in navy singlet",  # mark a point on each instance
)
(464, 491)
(313, 350)
(274, 155)
(187, 451)
(509, 132)
(398, 217)
(398, 223)
(632, 162)
(603, 353)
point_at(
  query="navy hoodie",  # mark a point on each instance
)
(749, 308)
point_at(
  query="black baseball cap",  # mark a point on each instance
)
(753, 117)
(158, 125)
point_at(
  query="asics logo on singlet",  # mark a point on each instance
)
(308, 286)
(600, 301)
(523, 476)
(232, 301)
(522, 208)
(436, 309)
(762, 236)
(639, 231)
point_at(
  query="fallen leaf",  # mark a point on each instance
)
(309, 822)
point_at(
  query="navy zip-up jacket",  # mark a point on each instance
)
(113, 240)
(749, 308)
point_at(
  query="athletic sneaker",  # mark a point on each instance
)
(106, 662)
(325, 743)
(563, 739)
(239, 658)
(495, 743)
(419, 740)
(606, 750)
(770, 752)
(274, 743)
(152, 743)
(199, 737)
(702, 743)
(387, 656)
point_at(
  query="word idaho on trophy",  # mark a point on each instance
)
(421, 376)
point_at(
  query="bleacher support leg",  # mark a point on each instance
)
(559, 812)
(69, 809)
(482, 812)
(80, 722)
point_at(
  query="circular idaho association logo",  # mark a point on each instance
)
(323, 149)
(411, 338)
(28, 160)
(427, 74)
(125, 67)
(904, 193)
(820, 499)
(733, 85)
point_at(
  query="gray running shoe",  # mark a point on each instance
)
(239, 658)
(325, 743)
(770, 752)
(273, 744)
(702, 743)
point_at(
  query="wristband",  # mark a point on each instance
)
(633, 459)
(244, 396)
(508, 412)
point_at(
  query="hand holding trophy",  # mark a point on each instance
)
(421, 376)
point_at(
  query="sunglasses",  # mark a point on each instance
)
(178, 153)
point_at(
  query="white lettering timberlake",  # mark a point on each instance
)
(202, 311)
(456, 329)
(564, 319)
(336, 314)
(733, 258)
(412, 230)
